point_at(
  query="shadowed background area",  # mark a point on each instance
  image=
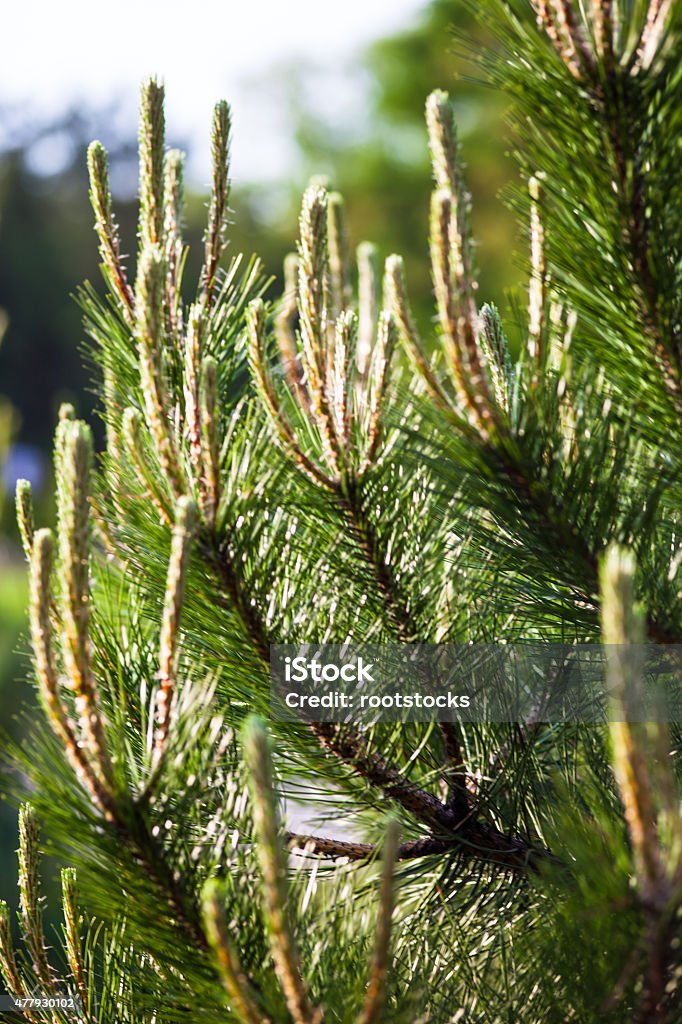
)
(345, 100)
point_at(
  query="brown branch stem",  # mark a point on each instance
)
(483, 842)
(362, 528)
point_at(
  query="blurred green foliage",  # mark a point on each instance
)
(14, 694)
(385, 172)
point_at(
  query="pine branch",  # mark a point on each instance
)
(622, 94)
(91, 763)
(134, 830)
(473, 841)
(472, 838)
(334, 413)
(615, 107)
(503, 451)
(362, 527)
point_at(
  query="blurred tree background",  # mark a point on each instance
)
(48, 248)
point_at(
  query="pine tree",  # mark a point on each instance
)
(279, 472)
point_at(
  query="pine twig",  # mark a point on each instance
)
(285, 333)
(571, 24)
(40, 614)
(401, 617)
(172, 227)
(107, 230)
(537, 288)
(8, 964)
(149, 331)
(30, 900)
(72, 924)
(132, 435)
(623, 634)
(274, 870)
(497, 355)
(375, 997)
(152, 157)
(350, 747)
(74, 553)
(641, 764)
(339, 286)
(193, 357)
(327, 846)
(25, 518)
(398, 302)
(339, 383)
(210, 448)
(259, 367)
(377, 383)
(604, 28)
(9, 969)
(235, 981)
(368, 303)
(313, 286)
(214, 239)
(362, 528)
(473, 840)
(172, 608)
(546, 20)
(567, 34)
(653, 33)
(630, 181)
(452, 265)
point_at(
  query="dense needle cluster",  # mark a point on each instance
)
(319, 469)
